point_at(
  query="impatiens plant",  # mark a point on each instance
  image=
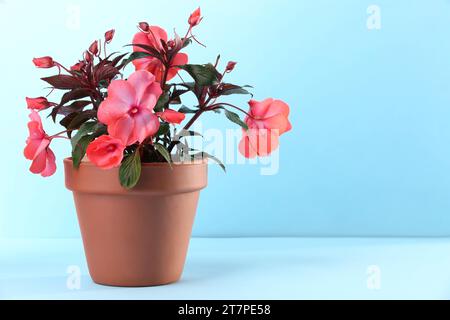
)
(121, 123)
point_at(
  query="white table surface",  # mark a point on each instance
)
(246, 268)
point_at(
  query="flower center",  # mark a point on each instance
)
(111, 148)
(133, 111)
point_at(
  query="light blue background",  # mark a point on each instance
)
(369, 153)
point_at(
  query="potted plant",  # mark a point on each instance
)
(135, 181)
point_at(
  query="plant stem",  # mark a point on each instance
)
(217, 106)
(61, 66)
(164, 79)
(58, 135)
(187, 127)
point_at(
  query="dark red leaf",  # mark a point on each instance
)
(63, 82)
(68, 119)
(74, 120)
(106, 72)
(75, 95)
(81, 118)
(117, 59)
(77, 106)
(175, 100)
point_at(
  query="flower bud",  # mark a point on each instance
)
(171, 44)
(88, 57)
(44, 62)
(109, 35)
(39, 103)
(195, 18)
(144, 26)
(230, 66)
(93, 48)
(78, 66)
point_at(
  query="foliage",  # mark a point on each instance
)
(85, 87)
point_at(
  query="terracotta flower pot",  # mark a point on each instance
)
(136, 237)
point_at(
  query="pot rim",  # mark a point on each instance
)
(156, 179)
(150, 165)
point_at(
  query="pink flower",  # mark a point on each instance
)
(267, 121)
(128, 109)
(37, 148)
(172, 116)
(39, 103)
(109, 35)
(258, 143)
(153, 38)
(106, 152)
(195, 18)
(44, 62)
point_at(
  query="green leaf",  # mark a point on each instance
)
(117, 59)
(229, 89)
(186, 110)
(85, 129)
(234, 117)
(188, 85)
(204, 75)
(164, 129)
(189, 133)
(192, 86)
(148, 49)
(85, 135)
(186, 42)
(135, 56)
(130, 170)
(162, 102)
(164, 152)
(203, 155)
(79, 150)
(176, 96)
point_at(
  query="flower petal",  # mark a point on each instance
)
(141, 38)
(39, 163)
(152, 38)
(263, 141)
(147, 90)
(246, 149)
(259, 109)
(123, 91)
(50, 164)
(112, 109)
(179, 60)
(278, 122)
(34, 147)
(172, 116)
(155, 35)
(277, 107)
(146, 125)
(123, 129)
(268, 142)
(106, 152)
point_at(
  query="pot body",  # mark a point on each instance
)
(137, 237)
